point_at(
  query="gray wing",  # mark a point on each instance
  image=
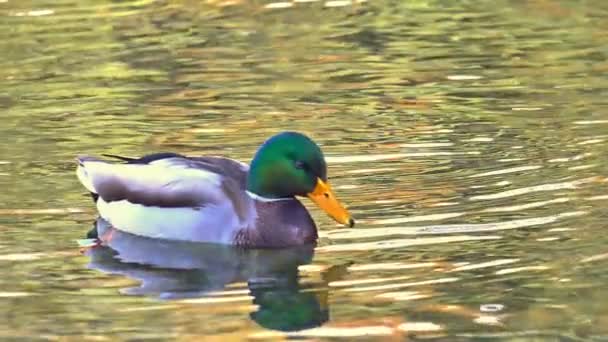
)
(168, 182)
(229, 168)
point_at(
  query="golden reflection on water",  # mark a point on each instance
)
(466, 140)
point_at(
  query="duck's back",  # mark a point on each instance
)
(229, 168)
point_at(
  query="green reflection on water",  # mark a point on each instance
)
(438, 118)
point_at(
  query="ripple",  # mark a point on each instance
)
(149, 308)
(278, 5)
(371, 170)
(491, 307)
(532, 205)
(421, 145)
(391, 266)
(34, 13)
(506, 225)
(391, 156)
(521, 269)
(582, 167)
(463, 77)
(590, 122)
(433, 217)
(58, 211)
(448, 228)
(242, 292)
(5, 294)
(486, 264)
(573, 158)
(505, 171)
(33, 256)
(488, 320)
(404, 295)
(329, 332)
(502, 183)
(218, 300)
(480, 139)
(536, 188)
(591, 141)
(347, 283)
(508, 160)
(549, 238)
(338, 3)
(526, 109)
(419, 327)
(400, 243)
(403, 285)
(444, 204)
(597, 257)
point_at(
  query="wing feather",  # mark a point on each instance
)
(170, 182)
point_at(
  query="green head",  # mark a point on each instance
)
(290, 164)
(286, 165)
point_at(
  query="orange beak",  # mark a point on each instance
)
(324, 197)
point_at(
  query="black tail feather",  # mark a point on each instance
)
(147, 158)
(127, 159)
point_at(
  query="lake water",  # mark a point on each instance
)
(468, 138)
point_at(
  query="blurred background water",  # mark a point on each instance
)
(469, 139)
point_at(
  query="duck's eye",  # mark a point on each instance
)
(300, 164)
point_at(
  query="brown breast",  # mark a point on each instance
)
(279, 224)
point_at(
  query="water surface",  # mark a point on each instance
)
(468, 139)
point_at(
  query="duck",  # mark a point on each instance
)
(216, 199)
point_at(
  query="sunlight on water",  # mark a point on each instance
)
(468, 140)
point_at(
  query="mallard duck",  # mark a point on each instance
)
(216, 199)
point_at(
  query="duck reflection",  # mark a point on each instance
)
(179, 269)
